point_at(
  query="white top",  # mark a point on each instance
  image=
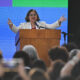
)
(27, 25)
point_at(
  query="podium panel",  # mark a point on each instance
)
(41, 39)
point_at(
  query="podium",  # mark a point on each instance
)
(41, 39)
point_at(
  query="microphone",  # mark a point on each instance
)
(38, 26)
(64, 33)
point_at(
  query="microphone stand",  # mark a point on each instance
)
(65, 34)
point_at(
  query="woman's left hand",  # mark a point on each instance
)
(62, 18)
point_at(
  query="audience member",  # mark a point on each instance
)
(32, 52)
(25, 57)
(58, 53)
(66, 70)
(55, 68)
(39, 64)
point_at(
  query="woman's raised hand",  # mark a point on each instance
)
(10, 23)
(62, 18)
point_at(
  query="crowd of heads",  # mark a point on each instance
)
(64, 64)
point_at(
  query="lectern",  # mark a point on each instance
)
(41, 39)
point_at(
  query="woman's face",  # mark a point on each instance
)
(33, 16)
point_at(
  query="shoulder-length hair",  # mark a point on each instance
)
(27, 16)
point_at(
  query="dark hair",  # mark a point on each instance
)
(70, 46)
(27, 16)
(39, 64)
(24, 56)
(38, 74)
(9, 75)
(56, 68)
(58, 53)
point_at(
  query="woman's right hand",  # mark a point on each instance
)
(10, 23)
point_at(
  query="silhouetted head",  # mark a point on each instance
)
(24, 56)
(39, 64)
(32, 52)
(58, 53)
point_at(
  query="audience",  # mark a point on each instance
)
(66, 70)
(65, 64)
(9, 72)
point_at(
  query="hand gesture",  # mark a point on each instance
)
(62, 18)
(10, 23)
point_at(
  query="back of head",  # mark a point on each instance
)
(58, 53)
(38, 74)
(39, 64)
(57, 65)
(55, 69)
(24, 56)
(31, 50)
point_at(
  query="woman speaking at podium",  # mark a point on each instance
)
(33, 22)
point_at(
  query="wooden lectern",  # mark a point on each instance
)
(42, 39)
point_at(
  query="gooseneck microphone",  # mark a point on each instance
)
(39, 26)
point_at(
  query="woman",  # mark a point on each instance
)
(32, 22)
